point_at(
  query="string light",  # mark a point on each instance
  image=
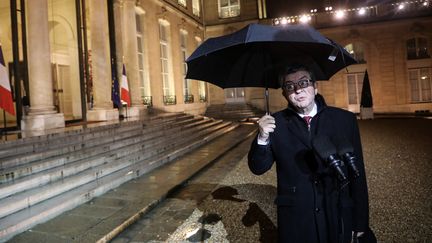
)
(342, 13)
(305, 19)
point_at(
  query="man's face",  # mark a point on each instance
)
(301, 98)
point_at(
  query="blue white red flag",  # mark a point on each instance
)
(6, 101)
(124, 88)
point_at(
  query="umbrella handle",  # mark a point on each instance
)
(266, 95)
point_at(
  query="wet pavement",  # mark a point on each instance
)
(226, 203)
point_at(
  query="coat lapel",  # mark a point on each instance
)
(296, 127)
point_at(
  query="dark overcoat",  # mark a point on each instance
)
(312, 205)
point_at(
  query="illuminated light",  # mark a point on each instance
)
(284, 21)
(362, 11)
(328, 8)
(276, 22)
(401, 6)
(340, 14)
(425, 3)
(424, 77)
(304, 19)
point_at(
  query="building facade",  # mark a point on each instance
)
(392, 40)
(64, 56)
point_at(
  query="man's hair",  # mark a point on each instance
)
(292, 68)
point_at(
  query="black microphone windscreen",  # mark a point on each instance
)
(323, 146)
(343, 145)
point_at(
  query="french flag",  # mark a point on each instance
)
(124, 92)
(6, 101)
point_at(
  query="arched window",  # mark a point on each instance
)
(202, 86)
(166, 71)
(187, 92)
(357, 50)
(142, 61)
(417, 48)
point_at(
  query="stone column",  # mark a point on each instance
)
(101, 68)
(130, 53)
(42, 113)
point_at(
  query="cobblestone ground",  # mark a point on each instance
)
(227, 203)
(398, 153)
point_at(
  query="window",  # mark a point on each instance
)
(417, 48)
(143, 74)
(196, 7)
(182, 2)
(357, 51)
(188, 97)
(167, 85)
(420, 82)
(355, 84)
(229, 8)
(202, 86)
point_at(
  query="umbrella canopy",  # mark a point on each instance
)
(252, 56)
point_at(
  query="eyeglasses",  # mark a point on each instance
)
(290, 86)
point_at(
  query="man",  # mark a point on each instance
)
(313, 203)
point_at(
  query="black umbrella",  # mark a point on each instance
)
(252, 56)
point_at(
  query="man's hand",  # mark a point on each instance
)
(266, 126)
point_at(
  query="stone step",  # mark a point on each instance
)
(233, 111)
(52, 141)
(83, 146)
(38, 174)
(47, 209)
(60, 177)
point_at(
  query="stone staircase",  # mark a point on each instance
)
(42, 177)
(234, 112)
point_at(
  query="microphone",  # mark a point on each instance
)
(346, 151)
(327, 151)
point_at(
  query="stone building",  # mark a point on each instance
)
(63, 55)
(392, 41)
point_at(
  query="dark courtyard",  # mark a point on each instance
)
(227, 203)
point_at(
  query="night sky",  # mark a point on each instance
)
(279, 8)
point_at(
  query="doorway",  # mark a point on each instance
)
(234, 95)
(354, 84)
(63, 100)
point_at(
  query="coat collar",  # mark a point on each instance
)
(296, 124)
